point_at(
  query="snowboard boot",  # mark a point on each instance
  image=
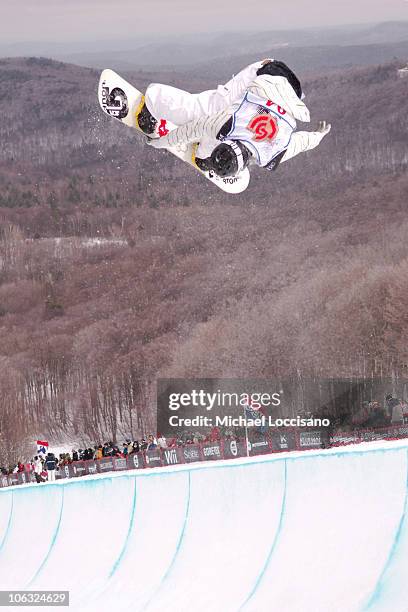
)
(145, 120)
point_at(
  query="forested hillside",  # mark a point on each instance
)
(119, 264)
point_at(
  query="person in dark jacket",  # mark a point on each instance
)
(50, 465)
(393, 408)
(151, 443)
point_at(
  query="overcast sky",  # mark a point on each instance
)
(77, 20)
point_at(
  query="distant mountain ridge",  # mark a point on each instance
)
(187, 50)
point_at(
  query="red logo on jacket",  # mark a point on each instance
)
(264, 127)
(163, 131)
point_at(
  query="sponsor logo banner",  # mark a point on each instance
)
(106, 464)
(68, 471)
(211, 451)
(369, 436)
(172, 456)
(120, 463)
(283, 441)
(135, 461)
(233, 448)
(60, 473)
(79, 468)
(13, 479)
(345, 438)
(191, 453)
(258, 447)
(399, 432)
(91, 467)
(153, 458)
(23, 477)
(312, 439)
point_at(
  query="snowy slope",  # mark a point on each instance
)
(298, 532)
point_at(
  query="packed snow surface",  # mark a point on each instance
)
(315, 531)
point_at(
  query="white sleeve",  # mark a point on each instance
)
(226, 95)
(302, 141)
(207, 126)
(278, 89)
(237, 86)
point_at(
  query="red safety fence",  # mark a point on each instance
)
(279, 441)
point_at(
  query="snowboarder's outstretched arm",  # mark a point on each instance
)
(304, 141)
(238, 85)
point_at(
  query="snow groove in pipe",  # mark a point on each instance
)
(126, 542)
(275, 540)
(52, 544)
(245, 535)
(8, 524)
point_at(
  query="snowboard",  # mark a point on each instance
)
(119, 99)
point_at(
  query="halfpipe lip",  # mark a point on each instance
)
(352, 449)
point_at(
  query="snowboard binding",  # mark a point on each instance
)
(145, 120)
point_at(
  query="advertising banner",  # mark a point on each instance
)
(345, 437)
(67, 471)
(91, 467)
(106, 464)
(13, 480)
(283, 441)
(79, 468)
(135, 461)
(4, 482)
(172, 456)
(259, 446)
(191, 453)
(233, 448)
(370, 436)
(153, 458)
(313, 439)
(120, 463)
(24, 477)
(400, 431)
(211, 451)
(60, 473)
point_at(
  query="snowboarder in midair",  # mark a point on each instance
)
(249, 120)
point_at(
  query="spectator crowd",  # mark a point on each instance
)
(44, 466)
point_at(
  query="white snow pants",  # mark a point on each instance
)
(180, 107)
(51, 475)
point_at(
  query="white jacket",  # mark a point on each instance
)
(38, 466)
(224, 101)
